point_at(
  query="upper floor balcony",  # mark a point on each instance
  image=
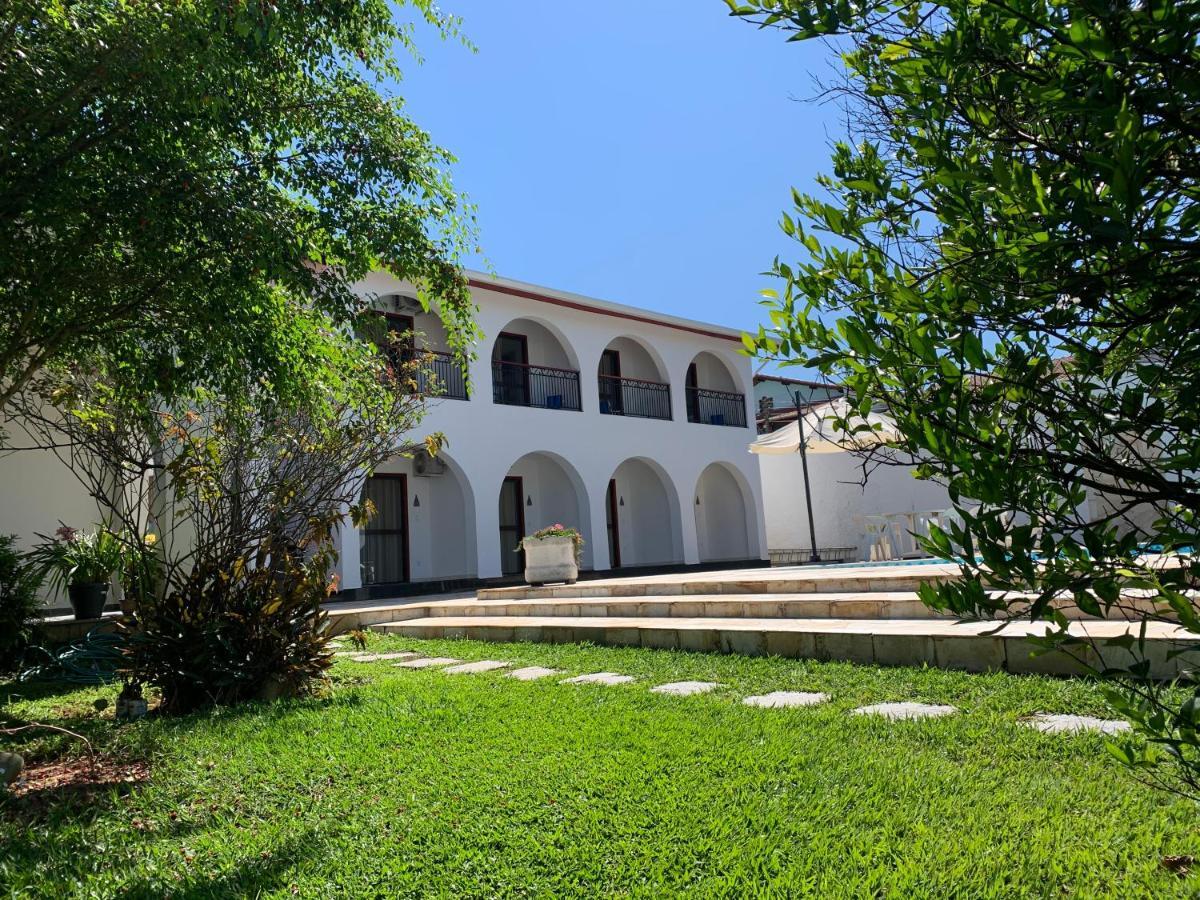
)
(416, 339)
(711, 395)
(439, 374)
(632, 382)
(530, 367)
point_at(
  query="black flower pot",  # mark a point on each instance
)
(88, 599)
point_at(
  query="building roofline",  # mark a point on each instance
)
(804, 381)
(570, 300)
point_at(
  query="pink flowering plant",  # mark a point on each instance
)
(73, 556)
(560, 530)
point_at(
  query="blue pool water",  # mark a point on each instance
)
(862, 565)
(1147, 549)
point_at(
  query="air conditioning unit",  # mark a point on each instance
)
(401, 304)
(425, 465)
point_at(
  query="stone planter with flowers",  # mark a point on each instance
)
(552, 555)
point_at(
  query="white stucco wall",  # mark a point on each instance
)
(37, 492)
(839, 500)
(636, 361)
(648, 516)
(722, 529)
(487, 439)
(712, 372)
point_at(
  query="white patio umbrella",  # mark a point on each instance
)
(816, 431)
(820, 434)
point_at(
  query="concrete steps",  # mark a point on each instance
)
(973, 646)
(865, 614)
(865, 605)
(789, 580)
(868, 605)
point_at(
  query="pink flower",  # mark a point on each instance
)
(66, 533)
(558, 526)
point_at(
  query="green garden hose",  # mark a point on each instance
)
(93, 659)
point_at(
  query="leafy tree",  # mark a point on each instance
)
(1006, 258)
(191, 188)
(228, 511)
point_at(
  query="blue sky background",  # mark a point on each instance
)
(636, 152)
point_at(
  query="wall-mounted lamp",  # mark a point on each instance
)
(416, 502)
(529, 501)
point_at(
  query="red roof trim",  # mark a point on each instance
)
(570, 304)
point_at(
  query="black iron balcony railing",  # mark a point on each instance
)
(440, 374)
(711, 407)
(430, 373)
(547, 387)
(634, 397)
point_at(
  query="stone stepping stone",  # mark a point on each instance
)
(785, 699)
(896, 712)
(599, 678)
(1050, 723)
(532, 673)
(483, 665)
(426, 662)
(685, 688)
(378, 657)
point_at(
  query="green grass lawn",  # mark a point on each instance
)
(414, 784)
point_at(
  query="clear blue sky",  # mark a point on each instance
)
(637, 152)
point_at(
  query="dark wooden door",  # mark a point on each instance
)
(512, 352)
(690, 385)
(512, 525)
(614, 525)
(385, 539)
(611, 396)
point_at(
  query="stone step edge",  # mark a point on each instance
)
(875, 583)
(974, 647)
(904, 605)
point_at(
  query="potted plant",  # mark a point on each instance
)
(84, 563)
(552, 554)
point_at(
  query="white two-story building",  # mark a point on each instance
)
(630, 425)
(627, 424)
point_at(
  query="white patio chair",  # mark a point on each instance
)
(879, 531)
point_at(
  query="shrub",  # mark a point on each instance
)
(19, 604)
(227, 635)
(226, 510)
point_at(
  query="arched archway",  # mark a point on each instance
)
(723, 508)
(423, 528)
(540, 489)
(643, 515)
(713, 393)
(633, 380)
(533, 364)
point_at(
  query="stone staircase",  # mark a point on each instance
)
(859, 614)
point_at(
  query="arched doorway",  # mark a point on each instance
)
(423, 527)
(722, 515)
(633, 381)
(540, 489)
(534, 365)
(712, 393)
(642, 515)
